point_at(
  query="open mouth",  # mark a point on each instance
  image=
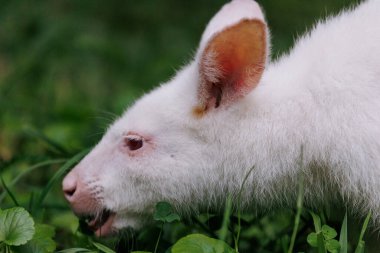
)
(101, 223)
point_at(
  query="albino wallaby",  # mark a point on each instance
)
(193, 140)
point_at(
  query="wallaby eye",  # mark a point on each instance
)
(133, 142)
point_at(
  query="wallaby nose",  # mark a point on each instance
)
(69, 186)
(77, 194)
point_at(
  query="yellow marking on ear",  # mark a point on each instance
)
(198, 111)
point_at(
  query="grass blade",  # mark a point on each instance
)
(158, 238)
(6, 189)
(343, 236)
(61, 171)
(41, 136)
(226, 219)
(298, 213)
(361, 243)
(31, 201)
(365, 225)
(300, 197)
(77, 250)
(317, 222)
(236, 239)
(103, 248)
(360, 247)
(28, 170)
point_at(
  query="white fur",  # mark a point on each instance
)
(323, 97)
(230, 14)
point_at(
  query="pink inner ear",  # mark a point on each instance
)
(232, 63)
(231, 14)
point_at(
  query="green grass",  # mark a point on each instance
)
(67, 68)
(178, 236)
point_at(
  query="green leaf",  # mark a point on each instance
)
(201, 244)
(321, 243)
(328, 232)
(332, 246)
(317, 222)
(16, 226)
(103, 248)
(318, 229)
(312, 239)
(172, 217)
(361, 243)
(77, 250)
(42, 241)
(141, 252)
(365, 225)
(343, 236)
(360, 247)
(164, 212)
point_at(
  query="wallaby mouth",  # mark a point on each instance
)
(100, 223)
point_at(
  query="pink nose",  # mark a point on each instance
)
(69, 186)
(81, 200)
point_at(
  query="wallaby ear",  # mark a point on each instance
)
(232, 54)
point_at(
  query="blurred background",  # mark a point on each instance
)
(67, 68)
(67, 65)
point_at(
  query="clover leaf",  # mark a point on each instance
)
(16, 226)
(201, 244)
(164, 212)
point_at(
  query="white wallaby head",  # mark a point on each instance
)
(180, 142)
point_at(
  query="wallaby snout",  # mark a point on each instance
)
(78, 194)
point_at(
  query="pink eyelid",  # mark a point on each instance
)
(134, 135)
(149, 145)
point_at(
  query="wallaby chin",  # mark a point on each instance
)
(230, 114)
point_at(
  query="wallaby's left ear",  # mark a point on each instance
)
(232, 54)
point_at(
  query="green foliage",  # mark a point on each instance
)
(328, 232)
(20, 234)
(226, 219)
(42, 241)
(323, 237)
(200, 244)
(361, 243)
(17, 227)
(103, 248)
(57, 176)
(9, 192)
(77, 250)
(65, 65)
(164, 213)
(300, 199)
(343, 241)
